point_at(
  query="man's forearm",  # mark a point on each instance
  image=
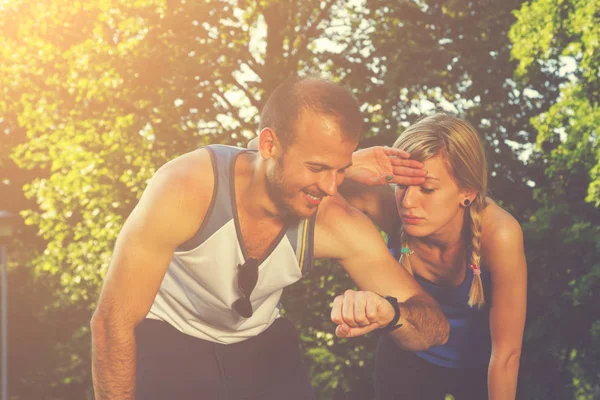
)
(502, 377)
(423, 325)
(113, 362)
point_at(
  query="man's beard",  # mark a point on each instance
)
(276, 189)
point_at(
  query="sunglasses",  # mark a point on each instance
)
(247, 278)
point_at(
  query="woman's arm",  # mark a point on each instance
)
(504, 254)
(377, 202)
(366, 185)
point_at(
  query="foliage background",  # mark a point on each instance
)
(95, 95)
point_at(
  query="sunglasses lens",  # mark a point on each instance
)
(248, 276)
(243, 307)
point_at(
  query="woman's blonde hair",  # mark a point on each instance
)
(459, 145)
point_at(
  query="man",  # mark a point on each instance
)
(189, 308)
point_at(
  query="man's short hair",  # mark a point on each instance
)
(282, 108)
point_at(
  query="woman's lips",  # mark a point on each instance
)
(410, 219)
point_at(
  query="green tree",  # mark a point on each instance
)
(96, 95)
(562, 39)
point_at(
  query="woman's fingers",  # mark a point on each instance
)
(393, 152)
(402, 162)
(409, 172)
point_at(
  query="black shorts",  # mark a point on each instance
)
(401, 374)
(172, 365)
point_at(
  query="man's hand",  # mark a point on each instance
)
(359, 312)
(380, 165)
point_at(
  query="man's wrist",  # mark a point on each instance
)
(395, 322)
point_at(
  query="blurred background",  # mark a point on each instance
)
(96, 94)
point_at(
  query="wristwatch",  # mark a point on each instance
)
(393, 325)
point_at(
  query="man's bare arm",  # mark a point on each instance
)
(345, 234)
(169, 212)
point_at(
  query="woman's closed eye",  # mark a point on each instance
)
(425, 190)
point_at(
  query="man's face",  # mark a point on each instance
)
(312, 166)
(434, 206)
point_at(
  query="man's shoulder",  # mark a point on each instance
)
(342, 230)
(175, 201)
(335, 211)
(189, 176)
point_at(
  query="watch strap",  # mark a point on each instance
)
(393, 325)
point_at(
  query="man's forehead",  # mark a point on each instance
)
(329, 163)
(334, 155)
(308, 117)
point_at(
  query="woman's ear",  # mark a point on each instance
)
(468, 197)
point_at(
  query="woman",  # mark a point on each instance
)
(463, 248)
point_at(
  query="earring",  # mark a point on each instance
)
(467, 202)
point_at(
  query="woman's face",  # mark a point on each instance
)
(434, 207)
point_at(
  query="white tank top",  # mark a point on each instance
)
(200, 286)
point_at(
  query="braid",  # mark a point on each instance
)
(404, 257)
(476, 298)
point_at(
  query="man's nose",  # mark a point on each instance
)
(329, 183)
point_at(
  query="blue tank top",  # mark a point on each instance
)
(469, 343)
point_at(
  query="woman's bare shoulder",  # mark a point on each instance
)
(499, 227)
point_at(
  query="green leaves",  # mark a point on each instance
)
(560, 39)
(96, 95)
(534, 32)
(564, 36)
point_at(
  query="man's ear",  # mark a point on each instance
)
(269, 145)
